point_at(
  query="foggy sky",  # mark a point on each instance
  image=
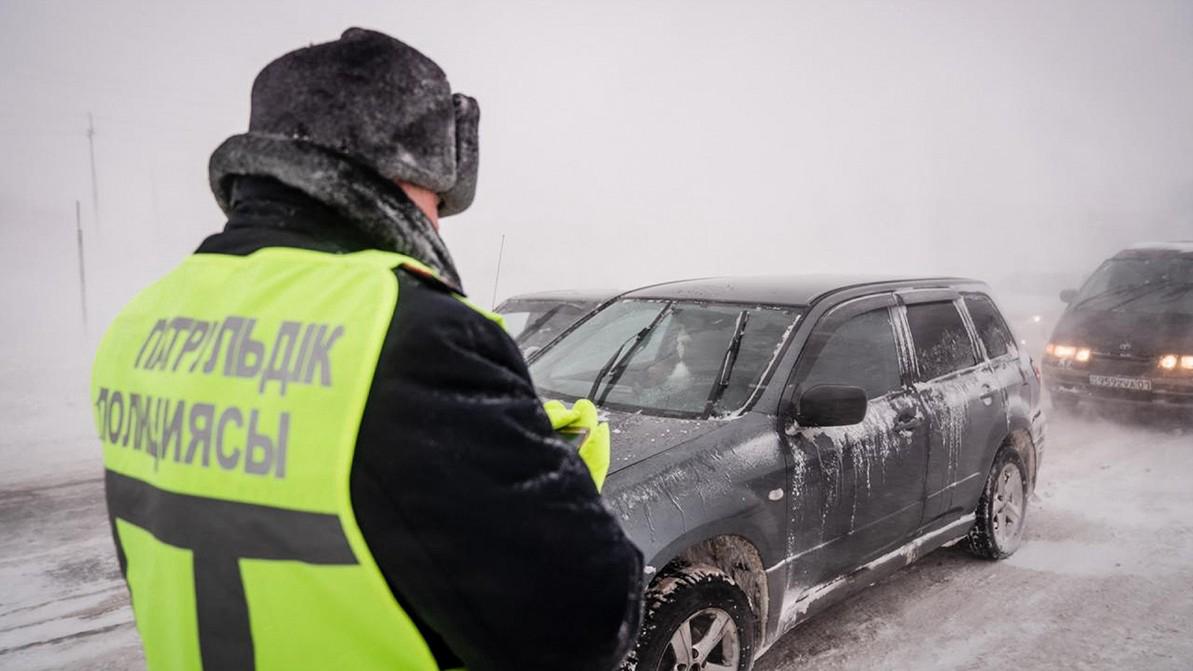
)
(625, 143)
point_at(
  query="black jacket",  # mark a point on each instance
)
(487, 528)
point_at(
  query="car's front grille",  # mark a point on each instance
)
(1100, 364)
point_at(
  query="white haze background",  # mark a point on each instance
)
(624, 143)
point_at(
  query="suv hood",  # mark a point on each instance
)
(636, 437)
(1143, 335)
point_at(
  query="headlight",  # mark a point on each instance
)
(1064, 351)
(1079, 354)
(1174, 361)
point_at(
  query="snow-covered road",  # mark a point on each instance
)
(1104, 581)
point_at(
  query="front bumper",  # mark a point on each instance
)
(1071, 383)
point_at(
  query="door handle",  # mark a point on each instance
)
(987, 394)
(908, 422)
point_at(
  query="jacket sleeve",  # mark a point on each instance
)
(487, 527)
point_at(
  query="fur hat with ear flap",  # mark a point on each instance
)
(326, 116)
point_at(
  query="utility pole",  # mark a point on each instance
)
(94, 181)
(82, 265)
(497, 276)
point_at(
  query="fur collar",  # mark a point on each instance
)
(374, 205)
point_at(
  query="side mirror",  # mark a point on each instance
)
(831, 405)
(1068, 295)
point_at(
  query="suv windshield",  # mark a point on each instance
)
(1140, 285)
(666, 357)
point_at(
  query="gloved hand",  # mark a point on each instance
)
(582, 416)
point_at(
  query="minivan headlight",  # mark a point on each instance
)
(1064, 351)
(1175, 361)
(1079, 354)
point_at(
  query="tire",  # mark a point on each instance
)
(1002, 511)
(702, 600)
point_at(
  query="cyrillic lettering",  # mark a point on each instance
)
(159, 330)
(216, 327)
(257, 444)
(320, 355)
(232, 324)
(308, 337)
(193, 340)
(276, 370)
(283, 437)
(200, 431)
(177, 326)
(139, 423)
(101, 416)
(246, 349)
(172, 428)
(114, 401)
(228, 460)
(134, 411)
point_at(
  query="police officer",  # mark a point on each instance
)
(318, 454)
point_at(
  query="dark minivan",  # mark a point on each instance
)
(1126, 337)
(779, 443)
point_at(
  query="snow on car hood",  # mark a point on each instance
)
(637, 436)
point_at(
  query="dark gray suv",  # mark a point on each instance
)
(781, 442)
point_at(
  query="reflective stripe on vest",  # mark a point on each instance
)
(228, 396)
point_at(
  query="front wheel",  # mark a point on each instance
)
(1002, 511)
(697, 619)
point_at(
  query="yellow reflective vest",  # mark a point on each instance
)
(228, 396)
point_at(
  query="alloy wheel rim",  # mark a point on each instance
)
(1008, 507)
(707, 641)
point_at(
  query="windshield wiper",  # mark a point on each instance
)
(600, 376)
(1118, 291)
(1178, 290)
(727, 362)
(1151, 289)
(616, 364)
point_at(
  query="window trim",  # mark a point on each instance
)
(941, 296)
(837, 315)
(1012, 344)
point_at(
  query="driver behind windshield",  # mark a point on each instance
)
(690, 357)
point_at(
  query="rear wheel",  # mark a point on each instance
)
(1002, 511)
(697, 619)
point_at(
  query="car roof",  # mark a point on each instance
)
(1156, 249)
(566, 295)
(795, 290)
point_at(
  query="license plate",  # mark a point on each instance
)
(1116, 382)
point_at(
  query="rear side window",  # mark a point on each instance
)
(991, 328)
(861, 353)
(942, 344)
